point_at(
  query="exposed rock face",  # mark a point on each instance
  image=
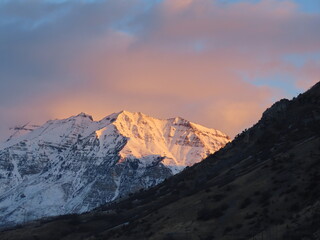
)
(76, 164)
(276, 109)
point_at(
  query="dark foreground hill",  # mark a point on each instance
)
(263, 185)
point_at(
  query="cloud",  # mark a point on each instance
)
(164, 58)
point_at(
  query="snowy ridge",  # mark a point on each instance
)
(76, 164)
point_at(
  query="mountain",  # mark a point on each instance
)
(262, 185)
(21, 130)
(76, 164)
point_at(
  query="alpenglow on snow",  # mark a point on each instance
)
(77, 164)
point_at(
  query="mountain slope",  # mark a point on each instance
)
(76, 164)
(262, 185)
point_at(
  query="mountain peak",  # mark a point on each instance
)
(178, 121)
(84, 115)
(132, 114)
(124, 115)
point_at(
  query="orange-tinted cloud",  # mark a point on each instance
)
(174, 57)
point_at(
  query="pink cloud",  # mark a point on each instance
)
(309, 74)
(153, 64)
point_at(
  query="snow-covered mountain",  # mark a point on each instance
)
(76, 164)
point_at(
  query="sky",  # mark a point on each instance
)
(219, 63)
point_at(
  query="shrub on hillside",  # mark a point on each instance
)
(245, 203)
(206, 213)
